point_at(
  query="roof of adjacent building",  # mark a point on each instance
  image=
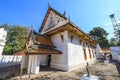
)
(115, 48)
(40, 45)
(106, 50)
(22, 52)
(43, 51)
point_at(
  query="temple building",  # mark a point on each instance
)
(59, 44)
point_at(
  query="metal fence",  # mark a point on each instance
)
(10, 60)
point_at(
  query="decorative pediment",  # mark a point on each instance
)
(52, 20)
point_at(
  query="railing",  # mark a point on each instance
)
(5, 59)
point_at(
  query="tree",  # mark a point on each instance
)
(100, 35)
(117, 35)
(104, 43)
(113, 42)
(16, 38)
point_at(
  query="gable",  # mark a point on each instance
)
(52, 20)
(38, 39)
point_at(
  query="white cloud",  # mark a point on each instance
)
(109, 28)
(108, 23)
(118, 21)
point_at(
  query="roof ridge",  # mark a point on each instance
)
(62, 15)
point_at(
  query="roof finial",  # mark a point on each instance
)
(32, 27)
(64, 13)
(48, 4)
(69, 17)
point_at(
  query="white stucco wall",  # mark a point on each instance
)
(1, 50)
(3, 35)
(60, 61)
(73, 55)
(119, 58)
(76, 53)
(115, 51)
(24, 63)
(114, 55)
(98, 51)
(43, 60)
(34, 64)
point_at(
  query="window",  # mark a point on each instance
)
(90, 54)
(85, 55)
(80, 41)
(86, 45)
(93, 53)
(72, 38)
(83, 44)
(62, 37)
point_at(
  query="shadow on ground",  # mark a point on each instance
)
(10, 71)
(117, 64)
(104, 71)
(14, 71)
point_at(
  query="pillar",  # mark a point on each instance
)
(34, 64)
(24, 63)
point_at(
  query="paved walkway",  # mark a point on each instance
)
(105, 71)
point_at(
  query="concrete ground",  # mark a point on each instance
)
(104, 70)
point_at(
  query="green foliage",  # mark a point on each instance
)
(104, 43)
(113, 42)
(100, 35)
(117, 36)
(16, 38)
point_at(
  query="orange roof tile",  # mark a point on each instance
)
(19, 53)
(44, 41)
(40, 45)
(43, 51)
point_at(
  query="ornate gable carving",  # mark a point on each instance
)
(53, 19)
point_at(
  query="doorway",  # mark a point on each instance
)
(110, 56)
(48, 60)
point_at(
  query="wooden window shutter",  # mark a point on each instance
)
(62, 37)
(85, 55)
(90, 54)
(72, 38)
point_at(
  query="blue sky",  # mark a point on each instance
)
(84, 13)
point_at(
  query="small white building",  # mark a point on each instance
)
(99, 52)
(115, 51)
(103, 53)
(60, 44)
(3, 35)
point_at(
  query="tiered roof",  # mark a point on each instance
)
(39, 44)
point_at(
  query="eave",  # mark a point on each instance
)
(70, 27)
